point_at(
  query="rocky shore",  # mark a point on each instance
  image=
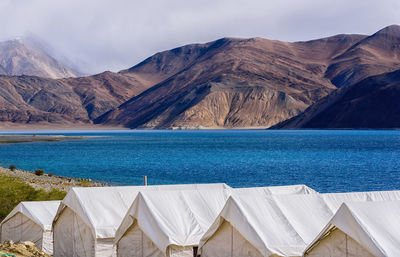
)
(21, 249)
(48, 182)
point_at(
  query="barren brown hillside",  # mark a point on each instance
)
(29, 99)
(370, 103)
(236, 83)
(227, 83)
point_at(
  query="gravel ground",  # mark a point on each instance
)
(48, 182)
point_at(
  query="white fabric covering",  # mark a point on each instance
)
(175, 221)
(72, 237)
(277, 190)
(105, 247)
(281, 224)
(94, 214)
(47, 245)
(374, 226)
(31, 221)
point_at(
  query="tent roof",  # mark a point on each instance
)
(278, 190)
(285, 224)
(374, 225)
(182, 217)
(40, 212)
(174, 217)
(103, 208)
(335, 200)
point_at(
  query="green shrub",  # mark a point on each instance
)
(55, 195)
(42, 195)
(13, 191)
(39, 172)
(85, 183)
(12, 167)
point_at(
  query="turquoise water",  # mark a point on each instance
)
(328, 161)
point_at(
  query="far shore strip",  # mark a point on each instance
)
(8, 139)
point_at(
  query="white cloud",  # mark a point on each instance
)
(115, 34)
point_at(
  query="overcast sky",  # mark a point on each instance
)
(100, 35)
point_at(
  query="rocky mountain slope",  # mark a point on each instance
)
(228, 83)
(370, 103)
(253, 82)
(233, 83)
(21, 57)
(29, 99)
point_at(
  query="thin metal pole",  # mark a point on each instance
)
(145, 180)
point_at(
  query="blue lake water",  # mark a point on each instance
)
(328, 161)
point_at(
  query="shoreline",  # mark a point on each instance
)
(11, 139)
(48, 181)
(24, 126)
(39, 128)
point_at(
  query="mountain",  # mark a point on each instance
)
(232, 83)
(227, 83)
(370, 103)
(21, 57)
(251, 82)
(31, 99)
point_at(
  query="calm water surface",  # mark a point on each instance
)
(328, 161)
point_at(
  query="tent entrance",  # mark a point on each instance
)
(135, 243)
(336, 243)
(21, 228)
(228, 242)
(72, 237)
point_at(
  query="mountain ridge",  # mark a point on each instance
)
(270, 47)
(226, 83)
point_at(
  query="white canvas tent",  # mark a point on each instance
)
(87, 219)
(172, 223)
(360, 229)
(168, 223)
(31, 221)
(278, 225)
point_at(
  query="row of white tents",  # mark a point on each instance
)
(286, 225)
(213, 220)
